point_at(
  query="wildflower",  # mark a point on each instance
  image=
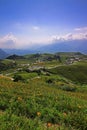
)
(38, 113)
(79, 106)
(49, 124)
(64, 114)
(19, 98)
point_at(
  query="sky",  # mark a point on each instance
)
(29, 23)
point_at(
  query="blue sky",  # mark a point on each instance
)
(26, 23)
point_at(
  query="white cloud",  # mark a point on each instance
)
(75, 36)
(78, 34)
(67, 37)
(36, 28)
(8, 37)
(82, 29)
(11, 41)
(28, 41)
(8, 41)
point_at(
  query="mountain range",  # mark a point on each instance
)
(66, 46)
(56, 46)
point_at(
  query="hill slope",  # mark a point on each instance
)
(76, 73)
(40, 106)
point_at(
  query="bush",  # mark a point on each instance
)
(18, 78)
(49, 81)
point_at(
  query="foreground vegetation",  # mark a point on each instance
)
(44, 99)
(38, 105)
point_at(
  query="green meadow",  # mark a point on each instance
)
(50, 98)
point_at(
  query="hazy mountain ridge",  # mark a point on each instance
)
(56, 46)
(66, 46)
(3, 54)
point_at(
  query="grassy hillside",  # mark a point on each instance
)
(38, 105)
(41, 94)
(76, 72)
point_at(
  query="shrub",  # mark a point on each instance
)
(50, 81)
(18, 78)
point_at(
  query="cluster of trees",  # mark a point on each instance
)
(54, 57)
(13, 57)
(46, 57)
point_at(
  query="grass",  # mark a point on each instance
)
(26, 75)
(76, 72)
(7, 61)
(38, 105)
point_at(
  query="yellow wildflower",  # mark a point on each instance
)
(38, 113)
(49, 124)
(79, 106)
(20, 98)
(64, 114)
